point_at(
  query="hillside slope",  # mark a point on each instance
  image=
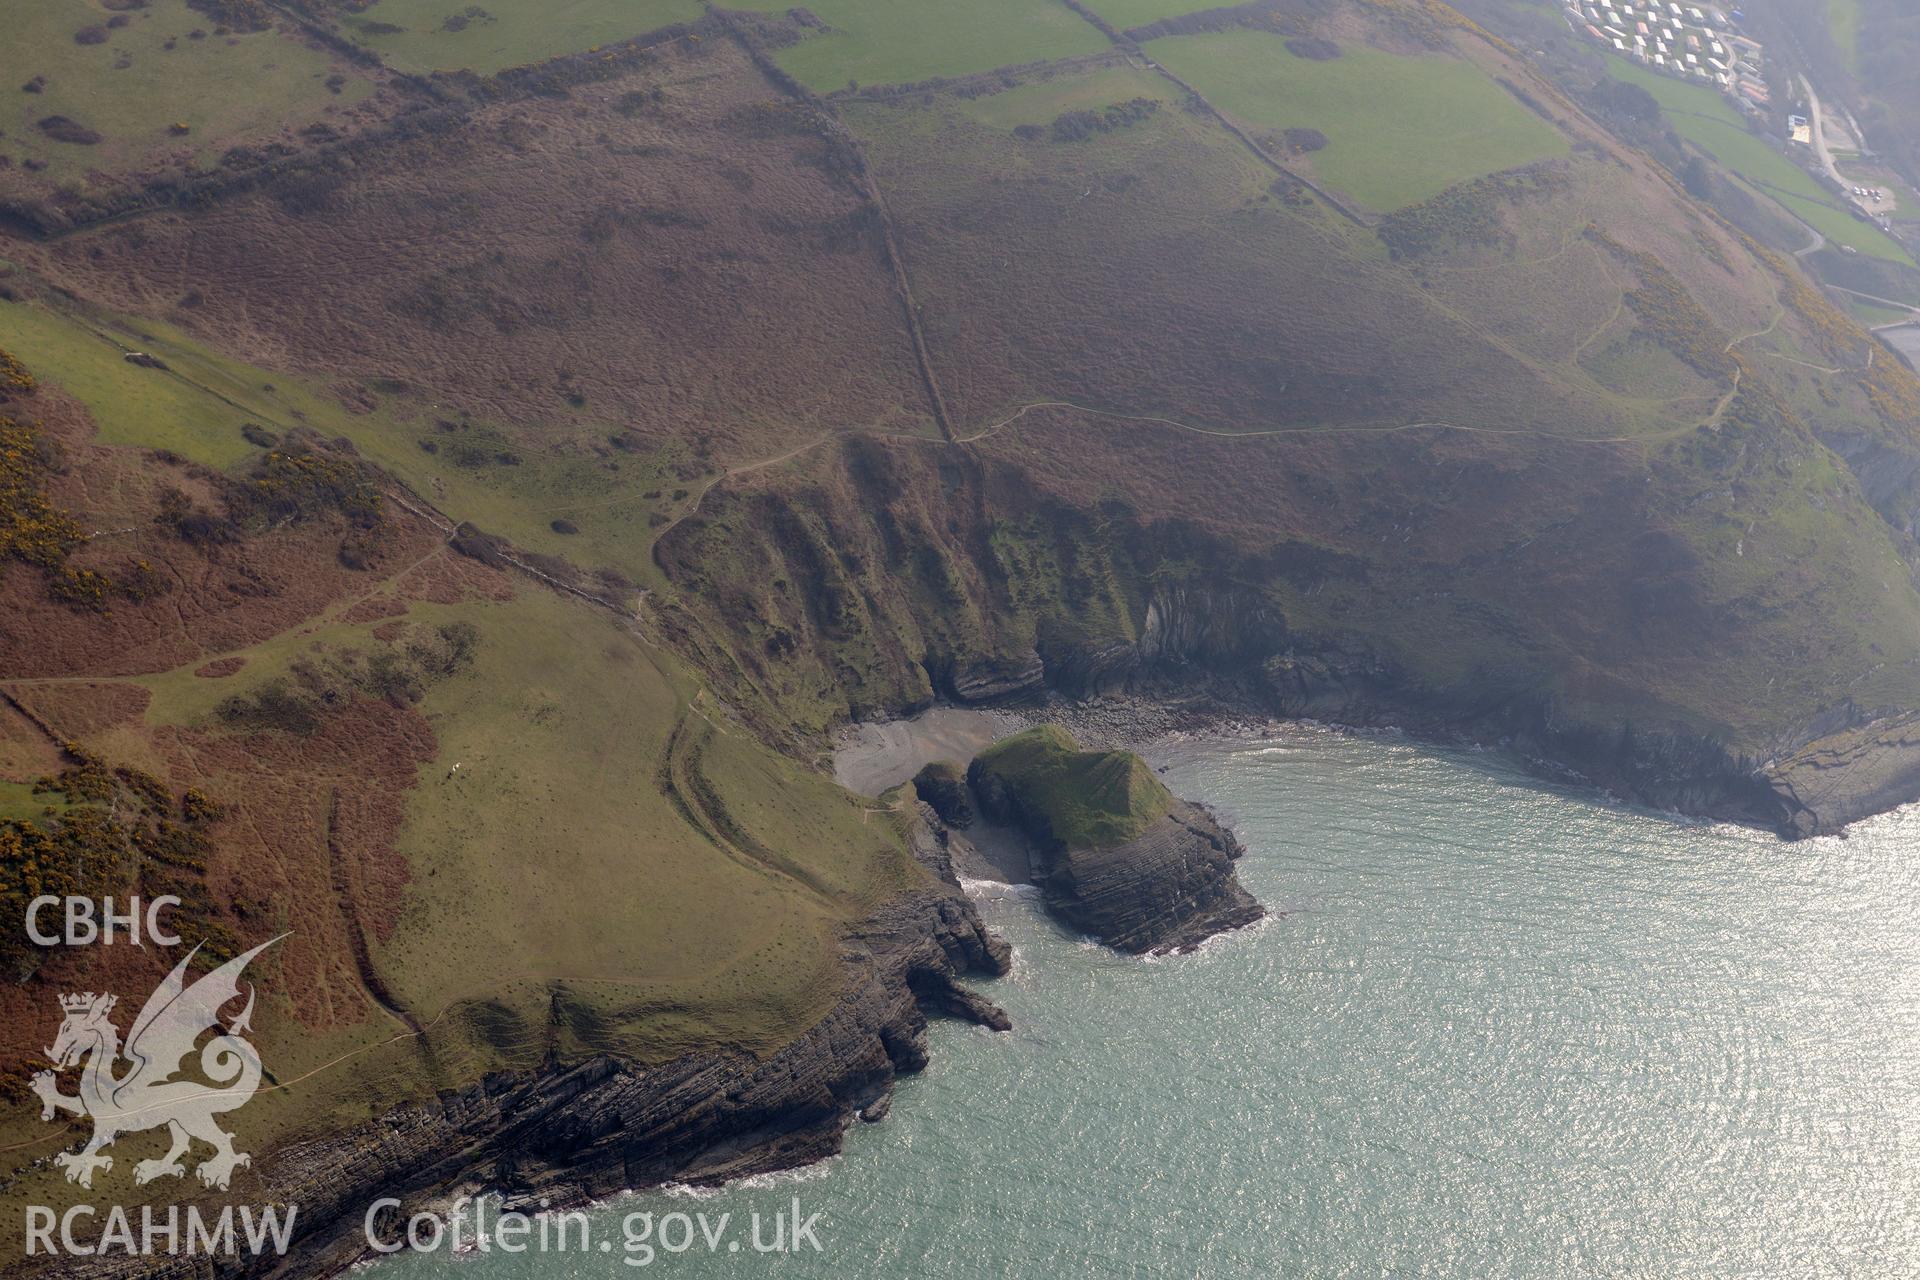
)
(485, 485)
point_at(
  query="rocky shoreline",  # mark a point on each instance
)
(1825, 779)
(1169, 890)
(1204, 658)
(581, 1132)
(577, 1133)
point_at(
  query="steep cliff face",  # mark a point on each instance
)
(1861, 769)
(1168, 889)
(1815, 777)
(1116, 856)
(1888, 472)
(943, 787)
(897, 573)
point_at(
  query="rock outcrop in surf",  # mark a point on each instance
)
(1116, 855)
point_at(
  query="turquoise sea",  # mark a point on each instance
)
(1495, 1029)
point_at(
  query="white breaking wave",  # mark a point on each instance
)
(813, 1172)
(998, 889)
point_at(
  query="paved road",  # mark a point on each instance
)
(1815, 245)
(1820, 135)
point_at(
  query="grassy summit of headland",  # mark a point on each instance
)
(1088, 799)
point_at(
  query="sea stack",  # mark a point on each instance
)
(1116, 855)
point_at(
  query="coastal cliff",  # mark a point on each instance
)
(1116, 855)
(580, 1131)
(1869, 766)
(842, 402)
(983, 581)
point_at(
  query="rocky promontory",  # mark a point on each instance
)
(1116, 855)
(943, 786)
(579, 1131)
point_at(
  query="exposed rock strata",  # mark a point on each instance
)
(1169, 888)
(587, 1130)
(943, 787)
(1138, 615)
(991, 680)
(1820, 776)
(1857, 771)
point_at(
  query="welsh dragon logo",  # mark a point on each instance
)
(149, 1093)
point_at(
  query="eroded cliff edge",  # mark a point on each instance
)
(887, 578)
(580, 1131)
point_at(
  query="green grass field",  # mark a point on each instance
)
(1873, 315)
(903, 41)
(1127, 14)
(179, 697)
(562, 729)
(18, 802)
(713, 920)
(130, 405)
(558, 899)
(132, 88)
(1842, 228)
(446, 35)
(1634, 365)
(1399, 129)
(1704, 118)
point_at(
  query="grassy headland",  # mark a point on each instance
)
(1088, 799)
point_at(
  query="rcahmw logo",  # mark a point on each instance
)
(160, 1231)
(154, 1089)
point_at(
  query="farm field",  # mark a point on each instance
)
(874, 42)
(519, 425)
(1874, 316)
(1843, 228)
(701, 947)
(1399, 129)
(1127, 14)
(130, 405)
(197, 406)
(722, 919)
(1704, 119)
(142, 78)
(436, 35)
(1037, 378)
(1046, 224)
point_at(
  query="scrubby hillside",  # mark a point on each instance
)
(482, 469)
(290, 693)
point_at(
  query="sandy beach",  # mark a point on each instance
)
(876, 757)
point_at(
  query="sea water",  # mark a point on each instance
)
(1494, 1028)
